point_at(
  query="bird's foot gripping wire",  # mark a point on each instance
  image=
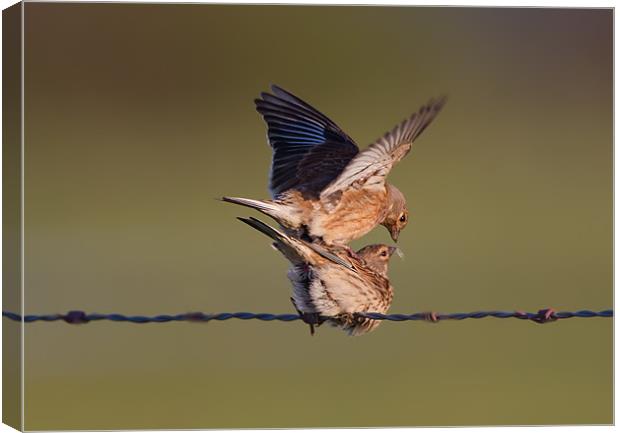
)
(312, 319)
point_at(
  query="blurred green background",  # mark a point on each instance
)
(138, 116)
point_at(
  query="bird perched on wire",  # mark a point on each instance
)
(322, 186)
(323, 288)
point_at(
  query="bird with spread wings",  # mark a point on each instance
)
(323, 187)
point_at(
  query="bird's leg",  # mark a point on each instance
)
(310, 318)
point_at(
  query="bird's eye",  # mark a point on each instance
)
(383, 253)
(403, 218)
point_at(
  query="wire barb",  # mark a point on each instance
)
(76, 317)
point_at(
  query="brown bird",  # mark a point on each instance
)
(322, 187)
(323, 288)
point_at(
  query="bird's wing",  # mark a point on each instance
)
(309, 150)
(370, 167)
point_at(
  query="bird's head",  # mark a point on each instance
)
(397, 215)
(377, 257)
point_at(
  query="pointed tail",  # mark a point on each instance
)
(281, 213)
(264, 206)
(294, 249)
(274, 234)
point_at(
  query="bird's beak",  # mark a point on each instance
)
(394, 233)
(396, 250)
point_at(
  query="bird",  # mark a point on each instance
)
(326, 291)
(323, 188)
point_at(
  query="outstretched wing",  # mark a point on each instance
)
(370, 167)
(309, 150)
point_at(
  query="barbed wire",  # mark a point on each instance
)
(76, 317)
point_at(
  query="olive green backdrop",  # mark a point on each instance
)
(137, 117)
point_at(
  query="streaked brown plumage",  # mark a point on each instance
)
(322, 287)
(323, 188)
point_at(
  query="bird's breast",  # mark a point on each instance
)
(357, 213)
(348, 292)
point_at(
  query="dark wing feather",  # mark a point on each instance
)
(309, 150)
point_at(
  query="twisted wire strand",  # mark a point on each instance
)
(76, 317)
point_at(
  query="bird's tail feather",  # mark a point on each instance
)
(279, 212)
(274, 234)
(260, 205)
(294, 249)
